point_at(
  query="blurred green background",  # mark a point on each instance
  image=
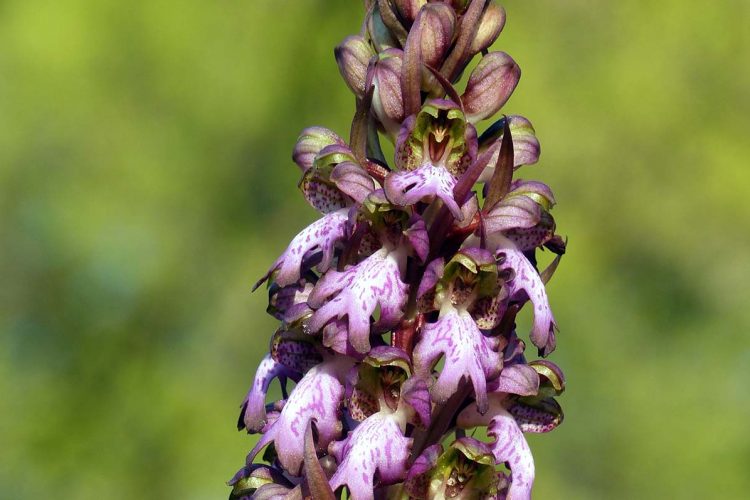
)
(146, 182)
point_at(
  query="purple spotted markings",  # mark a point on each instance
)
(397, 307)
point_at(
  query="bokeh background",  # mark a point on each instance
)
(146, 182)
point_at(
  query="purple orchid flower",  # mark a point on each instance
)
(398, 305)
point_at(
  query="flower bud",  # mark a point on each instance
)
(409, 8)
(378, 33)
(387, 100)
(352, 56)
(439, 23)
(490, 86)
(489, 29)
(309, 144)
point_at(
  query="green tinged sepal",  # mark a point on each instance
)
(309, 144)
(541, 413)
(252, 477)
(316, 183)
(377, 383)
(438, 135)
(470, 275)
(466, 470)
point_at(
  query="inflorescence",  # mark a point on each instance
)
(398, 306)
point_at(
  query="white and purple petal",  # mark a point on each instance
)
(509, 446)
(318, 396)
(527, 285)
(405, 188)
(253, 414)
(356, 293)
(377, 447)
(322, 235)
(468, 354)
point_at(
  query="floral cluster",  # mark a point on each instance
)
(398, 306)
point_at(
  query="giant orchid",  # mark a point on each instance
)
(398, 306)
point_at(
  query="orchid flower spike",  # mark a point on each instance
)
(397, 307)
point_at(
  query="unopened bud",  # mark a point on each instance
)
(490, 86)
(309, 144)
(492, 23)
(353, 55)
(387, 99)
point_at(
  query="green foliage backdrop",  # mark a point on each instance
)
(146, 182)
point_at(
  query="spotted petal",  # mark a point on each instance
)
(468, 353)
(322, 235)
(376, 447)
(253, 414)
(317, 397)
(527, 284)
(509, 445)
(356, 293)
(423, 184)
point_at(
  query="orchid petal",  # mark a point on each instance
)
(527, 284)
(358, 291)
(322, 235)
(426, 182)
(376, 446)
(317, 397)
(509, 445)
(467, 352)
(253, 414)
